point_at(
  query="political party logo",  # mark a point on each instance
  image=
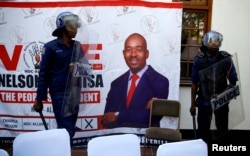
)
(30, 12)
(169, 44)
(49, 24)
(2, 17)
(32, 55)
(115, 33)
(123, 10)
(150, 24)
(18, 35)
(89, 15)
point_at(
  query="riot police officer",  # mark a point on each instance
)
(55, 71)
(211, 72)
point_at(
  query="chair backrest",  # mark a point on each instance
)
(3, 152)
(165, 107)
(114, 145)
(53, 142)
(195, 147)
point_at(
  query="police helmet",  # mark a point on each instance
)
(212, 39)
(66, 20)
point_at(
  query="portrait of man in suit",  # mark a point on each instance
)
(130, 96)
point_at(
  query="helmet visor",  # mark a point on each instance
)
(71, 22)
(212, 40)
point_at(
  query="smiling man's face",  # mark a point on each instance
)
(135, 52)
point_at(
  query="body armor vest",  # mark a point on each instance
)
(212, 74)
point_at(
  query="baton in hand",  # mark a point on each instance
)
(43, 120)
(194, 126)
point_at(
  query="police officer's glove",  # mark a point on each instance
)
(38, 106)
(214, 96)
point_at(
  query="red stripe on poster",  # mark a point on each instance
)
(90, 3)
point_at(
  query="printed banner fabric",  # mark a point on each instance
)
(26, 26)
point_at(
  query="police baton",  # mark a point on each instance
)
(43, 120)
(194, 126)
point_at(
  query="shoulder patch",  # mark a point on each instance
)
(224, 53)
(201, 54)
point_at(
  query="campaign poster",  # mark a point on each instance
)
(26, 26)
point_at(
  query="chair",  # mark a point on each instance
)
(3, 152)
(195, 147)
(114, 145)
(53, 142)
(169, 109)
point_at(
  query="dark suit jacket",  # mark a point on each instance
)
(152, 84)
